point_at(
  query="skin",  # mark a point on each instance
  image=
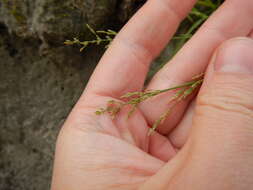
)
(206, 143)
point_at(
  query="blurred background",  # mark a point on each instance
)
(41, 78)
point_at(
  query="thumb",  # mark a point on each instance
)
(224, 110)
(222, 135)
(219, 151)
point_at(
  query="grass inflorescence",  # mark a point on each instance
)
(199, 14)
(102, 37)
(135, 98)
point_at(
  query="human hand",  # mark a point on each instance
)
(214, 151)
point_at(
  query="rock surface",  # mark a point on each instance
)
(39, 88)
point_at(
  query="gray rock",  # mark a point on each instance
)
(52, 20)
(36, 95)
(38, 91)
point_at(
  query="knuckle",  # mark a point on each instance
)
(175, 12)
(226, 104)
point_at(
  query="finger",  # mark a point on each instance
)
(160, 147)
(223, 121)
(180, 134)
(227, 22)
(124, 66)
(135, 131)
(221, 138)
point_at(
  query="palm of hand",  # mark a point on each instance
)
(118, 152)
(96, 152)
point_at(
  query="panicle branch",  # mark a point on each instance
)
(133, 99)
(99, 39)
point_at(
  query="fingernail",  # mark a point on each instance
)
(235, 56)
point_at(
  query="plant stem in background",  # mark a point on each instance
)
(107, 39)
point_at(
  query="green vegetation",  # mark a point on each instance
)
(198, 15)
